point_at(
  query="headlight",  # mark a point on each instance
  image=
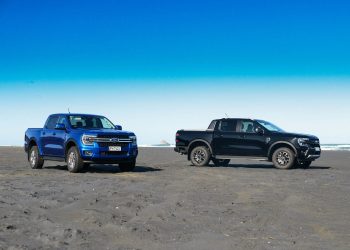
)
(88, 139)
(134, 139)
(303, 141)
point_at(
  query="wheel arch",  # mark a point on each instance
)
(198, 142)
(32, 142)
(70, 143)
(280, 144)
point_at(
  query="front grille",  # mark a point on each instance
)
(314, 143)
(113, 136)
(107, 144)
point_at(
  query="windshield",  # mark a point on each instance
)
(269, 126)
(90, 122)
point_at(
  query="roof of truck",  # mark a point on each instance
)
(76, 114)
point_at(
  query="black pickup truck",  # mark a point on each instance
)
(230, 138)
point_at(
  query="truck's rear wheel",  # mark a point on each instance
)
(200, 156)
(35, 161)
(74, 161)
(127, 166)
(221, 162)
(283, 158)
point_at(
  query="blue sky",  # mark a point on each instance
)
(157, 66)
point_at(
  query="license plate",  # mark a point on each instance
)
(115, 148)
(317, 149)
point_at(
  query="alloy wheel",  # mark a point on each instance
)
(33, 158)
(199, 156)
(283, 158)
(72, 160)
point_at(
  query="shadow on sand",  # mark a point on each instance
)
(267, 166)
(99, 168)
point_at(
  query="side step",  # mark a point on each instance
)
(253, 158)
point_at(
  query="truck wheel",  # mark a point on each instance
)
(35, 161)
(127, 166)
(283, 158)
(221, 162)
(74, 162)
(200, 156)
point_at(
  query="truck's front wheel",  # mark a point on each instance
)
(200, 156)
(283, 158)
(35, 161)
(74, 162)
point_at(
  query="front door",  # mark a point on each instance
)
(249, 142)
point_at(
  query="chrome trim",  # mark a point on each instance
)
(115, 140)
(313, 156)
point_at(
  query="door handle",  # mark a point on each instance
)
(44, 133)
(54, 134)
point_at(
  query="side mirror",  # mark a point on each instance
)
(259, 131)
(118, 127)
(60, 126)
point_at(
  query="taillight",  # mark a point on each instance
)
(177, 134)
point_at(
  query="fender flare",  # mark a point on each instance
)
(67, 142)
(200, 140)
(282, 142)
(33, 139)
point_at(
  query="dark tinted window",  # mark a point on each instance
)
(247, 127)
(51, 123)
(228, 125)
(212, 125)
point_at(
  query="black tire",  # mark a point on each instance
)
(200, 156)
(221, 162)
(34, 159)
(74, 161)
(304, 164)
(127, 166)
(283, 158)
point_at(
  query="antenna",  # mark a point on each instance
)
(68, 110)
(226, 115)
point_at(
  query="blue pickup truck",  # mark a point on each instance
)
(79, 140)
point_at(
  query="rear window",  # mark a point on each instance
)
(228, 125)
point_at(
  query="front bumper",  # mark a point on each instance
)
(309, 153)
(98, 154)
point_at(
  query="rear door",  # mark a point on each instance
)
(47, 135)
(226, 139)
(59, 138)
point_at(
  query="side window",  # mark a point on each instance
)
(62, 119)
(228, 125)
(51, 123)
(247, 127)
(212, 125)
